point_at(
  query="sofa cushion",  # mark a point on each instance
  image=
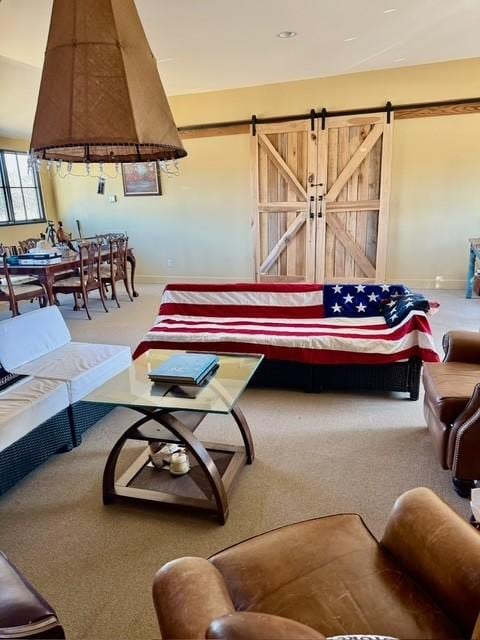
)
(27, 404)
(31, 335)
(449, 387)
(83, 366)
(345, 584)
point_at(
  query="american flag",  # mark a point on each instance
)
(284, 322)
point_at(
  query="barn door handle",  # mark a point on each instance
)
(320, 208)
(311, 213)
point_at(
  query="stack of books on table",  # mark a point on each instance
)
(39, 258)
(185, 368)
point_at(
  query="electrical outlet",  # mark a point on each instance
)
(169, 262)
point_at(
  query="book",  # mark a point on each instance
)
(185, 368)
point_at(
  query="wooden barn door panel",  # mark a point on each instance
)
(356, 199)
(322, 200)
(284, 242)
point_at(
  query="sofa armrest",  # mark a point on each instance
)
(461, 346)
(261, 626)
(440, 550)
(188, 594)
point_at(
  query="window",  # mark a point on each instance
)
(21, 198)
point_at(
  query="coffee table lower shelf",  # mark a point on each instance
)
(142, 482)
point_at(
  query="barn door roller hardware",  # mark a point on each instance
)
(388, 109)
(402, 111)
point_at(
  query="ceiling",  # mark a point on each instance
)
(217, 44)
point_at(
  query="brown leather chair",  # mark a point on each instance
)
(452, 407)
(331, 576)
(24, 613)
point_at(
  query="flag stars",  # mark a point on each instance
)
(348, 298)
(360, 288)
(385, 287)
(373, 297)
(336, 308)
(361, 307)
(391, 304)
(337, 289)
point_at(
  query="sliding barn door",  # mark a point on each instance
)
(354, 165)
(322, 199)
(283, 160)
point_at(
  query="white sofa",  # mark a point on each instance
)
(60, 373)
(34, 424)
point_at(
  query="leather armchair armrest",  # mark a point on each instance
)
(188, 594)
(464, 440)
(440, 550)
(462, 346)
(261, 626)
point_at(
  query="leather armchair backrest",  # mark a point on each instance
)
(440, 551)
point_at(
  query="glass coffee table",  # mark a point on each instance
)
(171, 414)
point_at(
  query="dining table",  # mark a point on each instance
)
(48, 273)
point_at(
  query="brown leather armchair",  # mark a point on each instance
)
(330, 576)
(24, 613)
(452, 408)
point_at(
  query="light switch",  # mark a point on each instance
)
(112, 198)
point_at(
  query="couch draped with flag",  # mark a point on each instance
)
(312, 335)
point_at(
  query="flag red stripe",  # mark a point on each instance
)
(240, 311)
(262, 323)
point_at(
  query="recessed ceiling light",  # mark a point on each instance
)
(351, 39)
(286, 34)
(399, 59)
(392, 10)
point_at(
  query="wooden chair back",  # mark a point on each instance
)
(118, 256)
(9, 250)
(90, 260)
(6, 275)
(29, 243)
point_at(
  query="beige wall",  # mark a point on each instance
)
(12, 234)
(202, 222)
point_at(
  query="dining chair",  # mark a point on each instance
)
(116, 267)
(16, 279)
(88, 277)
(14, 292)
(10, 250)
(29, 243)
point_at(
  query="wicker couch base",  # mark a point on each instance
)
(396, 376)
(84, 415)
(24, 455)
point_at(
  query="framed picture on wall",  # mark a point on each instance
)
(141, 179)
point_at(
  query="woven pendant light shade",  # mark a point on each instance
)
(101, 98)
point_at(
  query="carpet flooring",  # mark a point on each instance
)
(316, 454)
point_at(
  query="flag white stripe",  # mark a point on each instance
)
(334, 322)
(245, 298)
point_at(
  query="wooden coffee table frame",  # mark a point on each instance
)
(181, 424)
